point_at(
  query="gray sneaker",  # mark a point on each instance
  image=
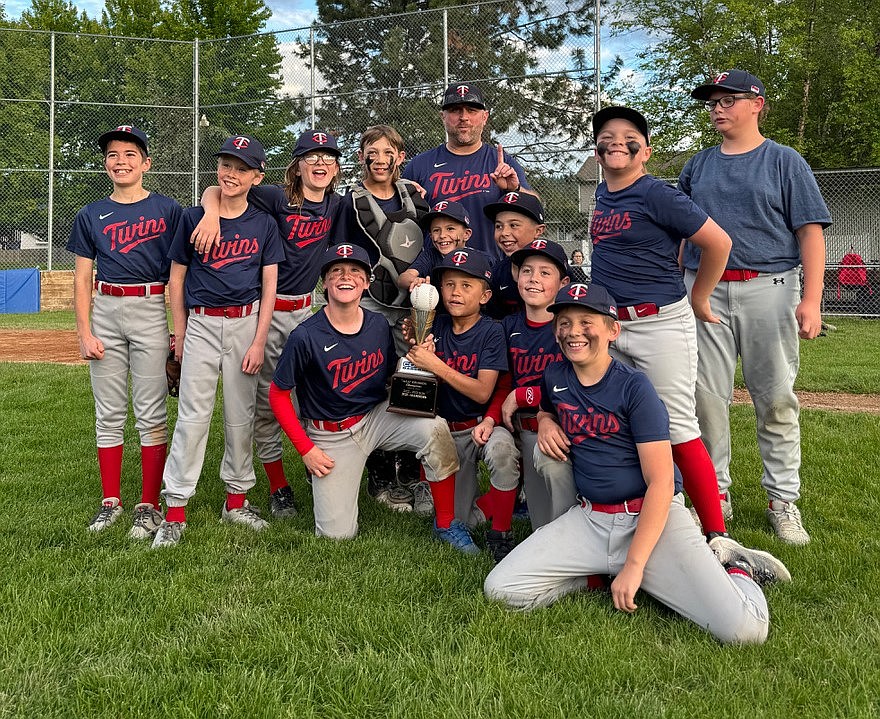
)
(281, 504)
(248, 515)
(168, 535)
(785, 518)
(726, 506)
(110, 511)
(396, 497)
(146, 521)
(423, 502)
(766, 568)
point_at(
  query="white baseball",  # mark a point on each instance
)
(424, 297)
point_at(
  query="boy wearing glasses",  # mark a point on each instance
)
(766, 197)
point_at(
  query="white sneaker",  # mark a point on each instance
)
(146, 521)
(168, 535)
(248, 516)
(110, 511)
(423, 502)
(785, 518)
(765, 567)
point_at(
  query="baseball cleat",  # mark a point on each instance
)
(110, 511)
(766, 568)
(458, 536)
(499, 543)
(147, 520)
(785, 518)
(281, 504)
(396, 497)
(423, 502)
(247, 515)
(169, 534)
(726, 506)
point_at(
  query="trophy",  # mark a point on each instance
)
(414, 390)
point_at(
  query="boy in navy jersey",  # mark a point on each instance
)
(631, 521)
(449, 228)
(221, 304)
(467, 355)
(540, 269)
(339, 361)
(128, 234)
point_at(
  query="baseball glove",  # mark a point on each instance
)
(172, 371)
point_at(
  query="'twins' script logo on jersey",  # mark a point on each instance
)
(348, 373)
(605, 226)
(447, 186)
(580, 425)
(528, 367)
(226, 252)
(125, 236)
(306, 230)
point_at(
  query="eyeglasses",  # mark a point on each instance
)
(726, 101)
(314, 159)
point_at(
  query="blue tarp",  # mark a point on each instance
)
(19, 291)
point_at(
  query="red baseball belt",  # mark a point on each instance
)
(464, 424)
(283, 305)
(637, 312)
(630, 506)
(232, 312)
(738, 275)
(106, 288)
(529, 424)
(328, 425)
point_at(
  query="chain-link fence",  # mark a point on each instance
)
(537, 75)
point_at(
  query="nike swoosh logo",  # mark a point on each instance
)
(327, 348)
(104, 217)
(641, 310)
(439, 164)
(503, 287)
(559, 389)
(514, 334)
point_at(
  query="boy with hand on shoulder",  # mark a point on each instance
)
(221, 304)
(128, 234)
(449, 227)
(540, 270)
(467, 354)
(339, 361)
(631, 521)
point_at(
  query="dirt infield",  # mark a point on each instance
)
(61, 346)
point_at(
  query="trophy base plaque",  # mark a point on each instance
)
(413, 391)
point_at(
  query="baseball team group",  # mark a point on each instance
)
(595, 404)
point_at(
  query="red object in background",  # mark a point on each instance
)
(852, 272)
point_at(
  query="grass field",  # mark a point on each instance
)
(232, 624)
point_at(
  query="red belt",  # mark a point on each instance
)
(465, 424)
(738, 275)
(283, 305)
(529, 423)
(630, 506)
(637, 312)
(235, 311)
(105, 288)
(340, 426)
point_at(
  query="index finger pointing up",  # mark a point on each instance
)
(500, 154)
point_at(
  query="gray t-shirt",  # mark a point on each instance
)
(760, 198)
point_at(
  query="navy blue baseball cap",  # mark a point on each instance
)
(346, 252)
(545, 248)
(463, 93)
(444, 208)
(316, 140)
(593, 297)
(471, 262)
(521, 202)
(247, 149)
(126, 133)
(624, 113)
(733, 80)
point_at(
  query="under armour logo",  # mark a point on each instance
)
(511, 198)
(577, 291)
(241, 142)
(462, 90)
(345, 251)
(440, 206)
(721, 78)
(124, 128)
(778, 280)
(538, 244)
(320, 137)
(459, 258)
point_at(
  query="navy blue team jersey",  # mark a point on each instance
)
(636, 234)
(337, 375)
(427, 260)
(480, 347)
(531, 348)
(129, 241)
(230, 273)
(506, 299)
(464, 179)
(604, 422)
(306, 231)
